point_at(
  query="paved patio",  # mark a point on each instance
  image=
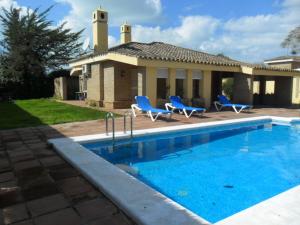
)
(38, 187)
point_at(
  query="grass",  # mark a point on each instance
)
(27, 113)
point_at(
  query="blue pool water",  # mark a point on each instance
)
(214, 172)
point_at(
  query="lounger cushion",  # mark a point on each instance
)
(224, 101)
(176, 102)
(163, 111)
(145, 105)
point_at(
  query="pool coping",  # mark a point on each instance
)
(147, 206)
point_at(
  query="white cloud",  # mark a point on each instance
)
(249, 38)
(119, 11)
(191, 32)
(112, 41)
(258, 37)
(7, 3)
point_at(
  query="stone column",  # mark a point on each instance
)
(109, 85)
(151, 84)
(188, 88)
(206, 88)
(94, 84)
(141, 82)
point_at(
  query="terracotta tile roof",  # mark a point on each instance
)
(167, 52)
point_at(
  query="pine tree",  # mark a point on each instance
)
(31, 47)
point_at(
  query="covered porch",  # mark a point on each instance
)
(120, 83)
(114, 85)
(263, 88)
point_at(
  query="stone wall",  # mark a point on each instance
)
(60, 88)
(120, 84)
(95, 84)
(65, 87)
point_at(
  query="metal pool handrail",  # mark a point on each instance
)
(130, 115)
(107, 117)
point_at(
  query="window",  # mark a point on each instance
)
(297, 87)
(196, 86)
(179, 87)
(270, 87)
(162, 76)
(256, 87)
(102, 15)
(180, 78)
(197, 76)
(161, 88)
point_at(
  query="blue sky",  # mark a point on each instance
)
(245, 30)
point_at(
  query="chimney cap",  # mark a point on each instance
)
(101, 9)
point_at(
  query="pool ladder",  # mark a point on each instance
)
(111, 116)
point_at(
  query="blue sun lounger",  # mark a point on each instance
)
(224, 102)
(143, 104)
(176, 104)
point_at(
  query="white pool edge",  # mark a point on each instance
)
(143, 204)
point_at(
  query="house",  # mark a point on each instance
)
(113, 76)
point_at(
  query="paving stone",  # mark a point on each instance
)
(4, 165)
(3, 155)
(48, 204)
(19, 156)
(6, 176)
(37, 145)
(59, 173)
(74, 186)
(10, 194)
(41, 153)
(25, 222)
(11, 183)
(16, 149)
(111, 220)
(52, 161)
(96, 208)
(14, 144)
(31, 141)
(63, 217)
(38, 187)
(26, 165)
(14, 213)
(1, 218)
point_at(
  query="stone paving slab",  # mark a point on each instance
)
(47, 204)
(8, 176)
(14, 213)
(99, 208)
(38, 187)
(66, 217)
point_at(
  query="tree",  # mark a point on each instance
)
(227, 86)
(292, 41)
(31, 47)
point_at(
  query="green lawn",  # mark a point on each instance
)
(27, 113)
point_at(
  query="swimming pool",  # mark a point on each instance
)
(214, 172)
